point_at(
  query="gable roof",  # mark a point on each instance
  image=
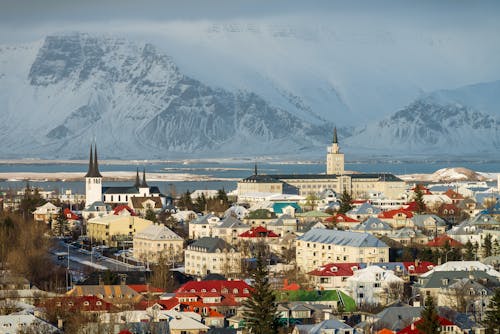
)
(157, 232)
(372, 224)
(335, 269)
(341, 218)
(237, 288)
(138, 202)
(365, 209)
(210, 245)
(279, 206)
(118, 209)
(391, 213)
(442, 240)
(258, 232)
(412, 329)
(335, 237)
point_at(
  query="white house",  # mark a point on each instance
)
(374, 285)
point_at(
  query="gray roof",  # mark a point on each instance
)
(464, 228)
(210, 244)
(93, 206)
(328, 324)
(398, 317)
(438, 279)
(419, 220)
(335, 237)
(365, 209)
(231, 222)
(372, 224)
(203, 220)
(406, 232)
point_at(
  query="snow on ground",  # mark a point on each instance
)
(449, 175)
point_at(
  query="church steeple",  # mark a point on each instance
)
(255, 169)
(137, 183)
(96, 164)
(144, 184)
(91, 163)
(335, 139)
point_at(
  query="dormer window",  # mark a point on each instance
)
(235, 291)
(86, 303)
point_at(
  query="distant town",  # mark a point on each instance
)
(337, 252)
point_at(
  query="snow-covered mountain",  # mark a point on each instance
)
(58, 95)
(457, 122)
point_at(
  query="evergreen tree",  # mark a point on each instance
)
(469, 251)
(492, 321)
(419, 199)
(261, 309)
(430, 318)
(496, 247)
(150, 215)
(487, 246)
(222, 196)
(345, 202)
(60, 224)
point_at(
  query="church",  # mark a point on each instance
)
(96, 193)
(359, 185)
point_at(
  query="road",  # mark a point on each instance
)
(81, 261)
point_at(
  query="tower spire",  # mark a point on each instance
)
(255, 169)
(144, 184)
(335, 139)
(95, 166)
(91, 164)
(137, 180)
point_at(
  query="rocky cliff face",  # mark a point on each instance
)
(138, 104)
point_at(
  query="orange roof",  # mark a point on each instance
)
(385, 331)
(441, 240)
(341, 218)
(144, 288)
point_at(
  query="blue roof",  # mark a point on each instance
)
(342, 238)
(279, 206)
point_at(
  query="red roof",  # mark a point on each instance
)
(290, 286)
(453, 194)
(412, 329)
(341, 218)
(145, 288)
(359, 201)
(166, 304)
(120, 208)
(258, 232)
(421, 267)
(70, 214)
(391, 213)
(235, 287)
(441, 240)
(335, 269)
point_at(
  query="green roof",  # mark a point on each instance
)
(318, 296)
(261, 214)
(315, 213)
(279, 206)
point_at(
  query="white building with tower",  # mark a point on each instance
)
(93, 180)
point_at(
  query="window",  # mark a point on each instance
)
(86, 303)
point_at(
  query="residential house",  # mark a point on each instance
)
(450, 212)
(429, 223)
(364, 211)
(202, 226)
(97, 209)
(319, 246)
(224, 296)
(374, 285)
(260, 217)
(408, 236)
(285, 224)
(229, 229)
(158, 241)
(120, 295)
(330, 326)
(373, 226)
(237, 211)
(24, 323)
(258, 234)
(456, 288)
(456, 198)
(395, 317)
(46, 213)
(115, 231)
(342, 221)
(332, 275)
(442, 240)
(446, 327)
(212, 255)
(141, 205)
(397, 218)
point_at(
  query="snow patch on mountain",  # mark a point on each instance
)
(447, 175)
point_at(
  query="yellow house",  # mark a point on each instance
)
(158, 240)
(114, 231)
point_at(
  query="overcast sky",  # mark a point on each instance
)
(24, 20)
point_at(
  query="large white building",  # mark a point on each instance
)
(318, 247)
(158, 241)
(336, 179)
